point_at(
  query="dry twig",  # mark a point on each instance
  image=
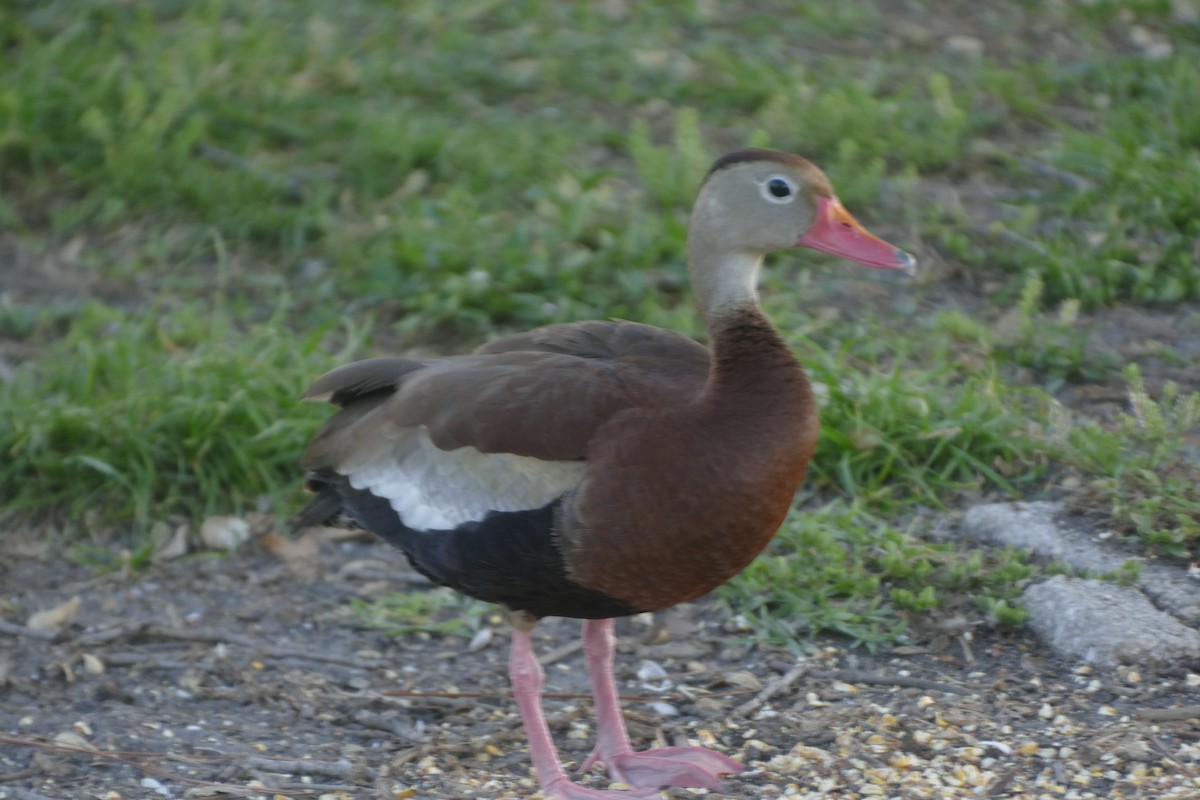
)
(1076, 182)
(292, 189)
(342, 768)
(17, 793)
(17, 776)
(876, 679)
(151, 661)
(773, 688)
(1168, 714)
(217, 636)
(12, 629)
(561, 652)
(1166, 752)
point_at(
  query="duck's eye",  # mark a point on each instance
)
(779, 190)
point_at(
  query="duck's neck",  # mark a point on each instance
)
(723, 281)
(747, 350)
(748, 353)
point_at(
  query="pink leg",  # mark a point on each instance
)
(527, 678)
(695, 767)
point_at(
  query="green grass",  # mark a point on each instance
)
(436, 611)
(1052, 346)
(232, 181)
(863, 578)
(1140, 473)
(139, 418)
(1143, 166)
(895, 429)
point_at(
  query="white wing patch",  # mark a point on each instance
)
(434, 489)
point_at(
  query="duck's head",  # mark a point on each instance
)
(754, 201)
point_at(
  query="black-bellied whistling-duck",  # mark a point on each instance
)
(600, 469)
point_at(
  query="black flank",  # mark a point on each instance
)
(509, 557)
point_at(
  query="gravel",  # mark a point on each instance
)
(245, 676)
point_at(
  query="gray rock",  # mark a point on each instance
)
(1037, 527)
(1033, 526)
(1106, 623)
(1174, 591)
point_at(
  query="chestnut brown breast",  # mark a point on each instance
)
(679, 500)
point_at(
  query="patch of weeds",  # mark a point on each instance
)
(852, 124)
(1143, 166)
(1128, 574)
(97, 556)
(1003, 612)
(1125, 11)
(564, 247)
(896, 430)
(1140, 473)
(437, 611)
(1026, 92)
(816, 579)
(843, 570)
(21, 322)
(136, 418)
(670, 174)
(1054, 347)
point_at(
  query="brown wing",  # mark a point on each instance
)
(608, 340)
(544, 393)
(354, 381)
(541, 394)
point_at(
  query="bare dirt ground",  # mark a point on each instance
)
(246, 675)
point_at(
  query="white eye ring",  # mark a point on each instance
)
(778, 189)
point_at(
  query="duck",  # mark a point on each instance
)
(600, 469)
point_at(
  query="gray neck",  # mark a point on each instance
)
(724, 281)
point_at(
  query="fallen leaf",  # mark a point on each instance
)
(480, 640)
(156, 786)
(743, 680)
(204, 792)
(55, 618)
(224, 533)
(363, 568)
(653, 671)
(170, 545)
(302, 556)
(74, 740)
